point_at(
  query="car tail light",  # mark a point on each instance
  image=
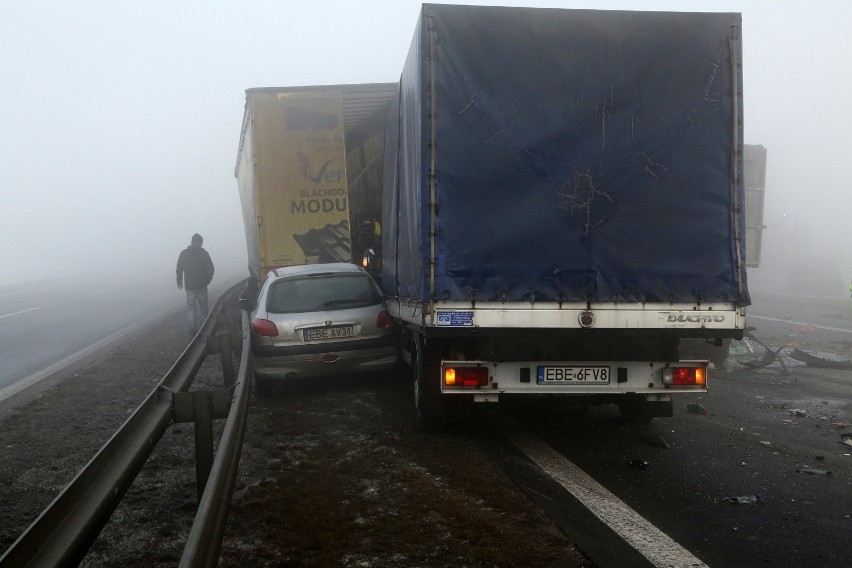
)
(383, 320)
(466, 376)
(264, 328)
(685, 376)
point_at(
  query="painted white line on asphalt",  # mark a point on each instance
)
(28, 290)
(656, 546)
(29, 381)
(840, 329)
(16, 313)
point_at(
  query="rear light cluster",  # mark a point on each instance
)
(466, 376)
(264, 328)
(685, 376)
(383, 320)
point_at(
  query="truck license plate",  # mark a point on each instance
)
(319, 333)
(573, 376)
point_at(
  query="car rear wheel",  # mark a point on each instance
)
(262, 387)
(430, 408)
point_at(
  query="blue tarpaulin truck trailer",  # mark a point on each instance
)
(563, 203)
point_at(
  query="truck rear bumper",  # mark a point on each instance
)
(580, 378)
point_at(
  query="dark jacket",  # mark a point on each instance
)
(194, 268)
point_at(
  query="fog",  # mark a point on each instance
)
(121, 121)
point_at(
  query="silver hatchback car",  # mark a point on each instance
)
(319, 320)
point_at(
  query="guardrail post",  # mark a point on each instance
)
(205, 538)
(201, 407)
(227, 359)
(203, 440)
(234, 329)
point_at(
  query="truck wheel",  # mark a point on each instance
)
(636, 408)
(430, 409)
(632, 408)
(718, 355)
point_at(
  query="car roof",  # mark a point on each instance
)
(304, 269)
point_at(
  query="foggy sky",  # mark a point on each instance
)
(120, 121)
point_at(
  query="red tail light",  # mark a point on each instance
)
(685, 376)
(466, 376)
(264, 328)
(383, 320)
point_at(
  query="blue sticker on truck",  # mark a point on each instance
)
(454, 319)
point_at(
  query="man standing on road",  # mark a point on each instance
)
(194, 273)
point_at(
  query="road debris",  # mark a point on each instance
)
(743, 500)
(812, 471)
(823, 360)
(798, 412)
(741, 348)
(769, 356)
(696, 408)
(656, 441)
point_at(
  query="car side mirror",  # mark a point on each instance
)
(245, 304)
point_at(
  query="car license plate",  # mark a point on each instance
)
(320, 333)
(573, 376)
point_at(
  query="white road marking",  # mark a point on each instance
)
(16, 313)
(841, 330)
(28, 290)
(656, 546)
(98, 293)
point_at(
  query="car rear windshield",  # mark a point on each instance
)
(322, 293)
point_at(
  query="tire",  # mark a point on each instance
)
(702, 349)
(400, 371)
(430, 408)
(636, 408)
(262, 387)
(632, 409)
(719, 355)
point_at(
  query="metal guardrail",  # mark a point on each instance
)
(63, 533)
(205, 538)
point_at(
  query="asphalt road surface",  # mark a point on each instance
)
(758, 475)
(53, 322)
(45, 322)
